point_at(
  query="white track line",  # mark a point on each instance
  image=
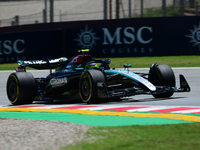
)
(186, 111)
(152, 108)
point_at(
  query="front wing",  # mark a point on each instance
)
(103, 93)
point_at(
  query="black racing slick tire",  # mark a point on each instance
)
(88, 86)
(162, 75)
(21, 88)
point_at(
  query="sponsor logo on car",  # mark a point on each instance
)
(58, 81)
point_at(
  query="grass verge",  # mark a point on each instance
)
(141, 62)
(145, 62)
(152, 137)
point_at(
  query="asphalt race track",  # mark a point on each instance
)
(192, 98)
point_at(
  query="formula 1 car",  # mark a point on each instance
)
(90, 80)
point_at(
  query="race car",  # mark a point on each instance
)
(90, 80)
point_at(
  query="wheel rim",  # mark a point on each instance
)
(85, 91)
(85, 87)
(12, 89)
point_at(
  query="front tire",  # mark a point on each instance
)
(162, 75)
(21, 88)
(88, 85)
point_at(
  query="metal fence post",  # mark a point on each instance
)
(105, 9)
(129, 8)
(51, 11)
(110, 9)
(197, 8)
(60, 15)
(117, 9)
(45, 11)
(122, 9)
(12, 23)
(164, 8)
(44, 16)
(182, 7)
(142, 5)
(16, 20)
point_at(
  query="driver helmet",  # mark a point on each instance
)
(91, 66)
(80, 59)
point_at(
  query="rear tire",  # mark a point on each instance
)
(88, 86)
(21, 88)
(162, 75)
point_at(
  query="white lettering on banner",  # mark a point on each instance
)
(139, 35)
(4, 59)
(110, 38)
(7, 47)
(112, 50)
(127, 50)
(18, 51)
(128, 35)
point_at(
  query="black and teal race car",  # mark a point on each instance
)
(89, 80)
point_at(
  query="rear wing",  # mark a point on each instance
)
(43, 64)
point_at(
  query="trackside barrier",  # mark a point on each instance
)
(107, 38)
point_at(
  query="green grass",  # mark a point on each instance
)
(10, 66)
(145, 62)
(152, 137)
(141, 62)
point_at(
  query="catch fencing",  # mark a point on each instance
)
(21, 12)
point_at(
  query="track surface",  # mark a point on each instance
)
(178, 99)
(135, 110)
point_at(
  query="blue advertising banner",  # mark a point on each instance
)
(30, 45)
(137, 37)
(164, 36)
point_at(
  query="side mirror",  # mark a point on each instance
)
(127, 65)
